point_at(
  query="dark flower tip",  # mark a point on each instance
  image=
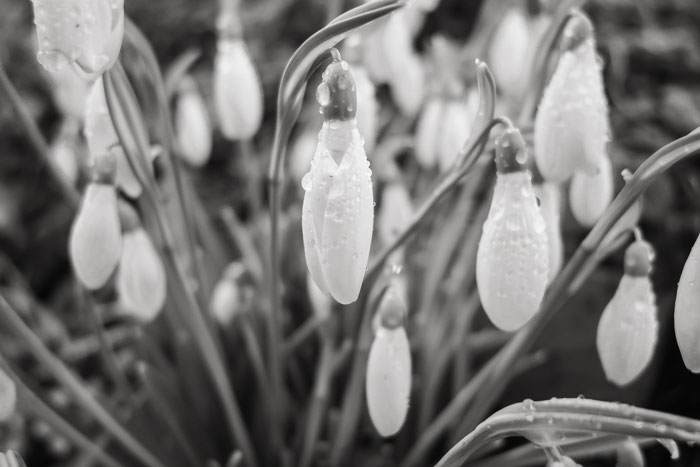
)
(337, 93)
(511, 152)
(638, 259)
(578, 29)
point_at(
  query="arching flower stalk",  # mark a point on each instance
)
(192, 124)
(571, 126)
(686, 314)
(226, 298)
(95, 238)
(141, 281)
(367, 105)
(628, 328)
(394, 215)
(238, 95)
(8, 397)
(549, 195)
(590, 195)
(388, 383)
(338, 209)
(85, 34)
(512, 258)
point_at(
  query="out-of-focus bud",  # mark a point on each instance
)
(102, 138)
(192, 124)
(238, 96)
(509, 52)
(395, 214)
(64, 151)
(549, 195)
(686, 316)
(571, 127)
(629, 454)
(628, 328)
(590, 195)
(85, 34)
(226, 300)
(95, 239)
(320, 302)
(11, 459)
(388, 382)
(512, 258)
(141, 281)
(338, 209)
(70, 92)
(367, 106)
(8, 397)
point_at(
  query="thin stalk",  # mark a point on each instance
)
(74, 386)
(301, 335)
(36, 139)
(252, 179)
(242, 239)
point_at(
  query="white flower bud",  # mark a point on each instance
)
(571, 127)
(549, 195)
(338, 209)
(590, 195)
(192, 124)
(226, 299)
(8, 397)
(388, 382)
(64, 151)
(628, 328)
(238, 96)
(512, 258)
(687, 315)
(82, 33)
(141, 277)
(509, 52)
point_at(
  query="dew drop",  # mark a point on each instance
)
(323, 94)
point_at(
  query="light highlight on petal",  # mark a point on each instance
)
(687, 310)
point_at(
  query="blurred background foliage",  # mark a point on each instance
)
(652, 65)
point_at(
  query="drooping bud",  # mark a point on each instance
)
(509, 51)
(629, 454)
(85, 34)
(226, 300)
(686, 316)
(572, 127)
(102, 138)
(192, 124)
(95, 238)
(628, 328)
(388, 382)
(590, 195)
(238, 96)
(549, 195)
(141, 281)
(8, 397)
(338, 209)
(512, 258)
(64, 151)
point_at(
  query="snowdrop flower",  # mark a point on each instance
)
(509, 52)
(226, 298)
(238, 96)
(388, 382)
(686, 316)
(512, 258)
(87, 34)
(102, 138)
(192, 124)
(628, 328)
(571, 127)
(141, 279)
(64, 151)
(549, 195)
(95, 238)
(338, 208)
(8, 397)
(590, 195)
(629, 454)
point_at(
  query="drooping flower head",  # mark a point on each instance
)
(388, 382)
(8, 397)
(95, 238)
(512, 258)
(590, 195)
(338, 209)
(549, 195)
(571, 127)
(227, 299)
(192, 124)
(87, 34)
(628, 328)
(508, 52)
(687, 315)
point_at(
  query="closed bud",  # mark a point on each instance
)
(512, 258)
(686, 315)
(628, 328)
(388, 382)
(87, 34)
(141, 278)
(338, 208)
(8, 397)
(629, 454)
(591, 194)
(226, 298)
(549, 195)
(572, 128)
(192, 124)
(238, 96)
(509, 51)
(95, 238)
